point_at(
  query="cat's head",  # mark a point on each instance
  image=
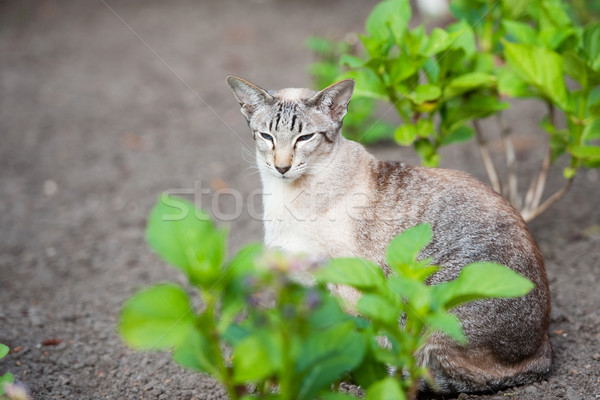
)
(295, 130)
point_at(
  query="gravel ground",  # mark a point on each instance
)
(105, 104)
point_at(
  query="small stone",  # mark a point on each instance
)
(531, 389)
(573, 395)
(50, 252)
(596, 356)
(50, 187)
(63, 380)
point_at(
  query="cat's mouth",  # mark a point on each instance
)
(289, 175)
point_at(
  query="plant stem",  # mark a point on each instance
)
(541, 181)
(215, 341)
(532, 207)
(486, 42)
(286, 387)
(487, 160)
(531, 215)
(511, 184)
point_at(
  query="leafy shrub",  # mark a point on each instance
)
(360, 124)
(443, 82)
(267, 326)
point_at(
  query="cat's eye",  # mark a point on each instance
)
(304, 138)
(266, 136)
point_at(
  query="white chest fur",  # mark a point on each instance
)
(309, 221)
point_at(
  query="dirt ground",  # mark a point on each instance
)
(105, 104)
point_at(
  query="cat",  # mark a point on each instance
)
(326, 196)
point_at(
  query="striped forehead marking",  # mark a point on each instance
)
(286, 116)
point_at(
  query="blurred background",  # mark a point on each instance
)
(106, 104)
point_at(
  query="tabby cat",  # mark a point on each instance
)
(328, 197)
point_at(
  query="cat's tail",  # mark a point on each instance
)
(457, 369)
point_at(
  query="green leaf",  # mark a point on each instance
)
(425, 93)
(4, 350)
(592, 130)
(378, 308)
(424, 128)
(437, 42)
(401, 68)
(159, 317)
(405, 134)
(576, 68)
(327, 315)
(256, 357)
(462, 37)
(484, 62)
(477, 106)
(468, 82)
(514, 8)
(541, 68)
(448, 324)
(411, 288)
(386, 389)
(326, 356)
(389, 20)
(591, 153)
(7, 378)
(368, 84)
(520, 31)
(185, 237)
(569, 172)
(356, 272)
(405, 248)
(482, 280)
(370, 370)
(452, 63)
(195, 352)
(460, 134)
(591, 45)
(431, 68)
(375, 48)
(414, 40)
(427, 152)
(553, 16)
(351, 61)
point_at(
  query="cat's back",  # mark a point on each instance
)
(470, 221)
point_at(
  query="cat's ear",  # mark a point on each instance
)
(248, 95)
(334, 99)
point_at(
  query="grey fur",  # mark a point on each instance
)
(329, 175)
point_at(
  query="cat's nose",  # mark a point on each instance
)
(283, 170)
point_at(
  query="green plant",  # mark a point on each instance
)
(257, 326)
(443, 83)
(268, 327)
(404, 294)
(7, 378)
(359, 123)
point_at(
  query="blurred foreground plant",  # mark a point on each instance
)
(442, 83)
(267, 327)
(7, 378)
(9, 390)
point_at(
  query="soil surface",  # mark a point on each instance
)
(106, 104)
